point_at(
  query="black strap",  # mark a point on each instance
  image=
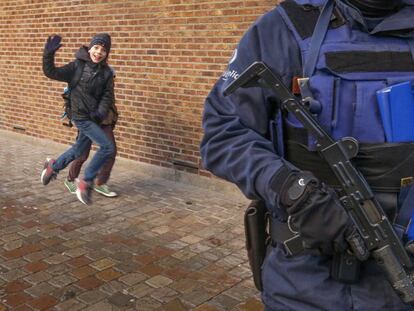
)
(382, 165)
(318, 37)
(292, 242)
(370, 61)
(79, 65)
(304, 17)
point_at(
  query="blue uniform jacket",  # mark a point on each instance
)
(237, 143)
(240, 145)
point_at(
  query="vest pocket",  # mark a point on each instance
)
(367, 121)
(349, 105)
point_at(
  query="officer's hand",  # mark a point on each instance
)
(317, 215)
(53, 43)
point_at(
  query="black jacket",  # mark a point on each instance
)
(92, 85)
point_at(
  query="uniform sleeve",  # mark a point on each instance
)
(236, 144)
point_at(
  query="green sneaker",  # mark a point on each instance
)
(104, 190)
(70, 185)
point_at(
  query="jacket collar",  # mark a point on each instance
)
(399, 24)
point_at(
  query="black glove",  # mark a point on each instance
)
(53, 44)
(317, 215)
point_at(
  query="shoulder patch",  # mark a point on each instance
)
(304, 17)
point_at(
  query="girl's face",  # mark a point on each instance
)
(97, 53)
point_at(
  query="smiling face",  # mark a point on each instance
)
(97, 53)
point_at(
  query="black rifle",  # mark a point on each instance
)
(359, 202)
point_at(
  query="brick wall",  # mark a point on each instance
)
(167, 54)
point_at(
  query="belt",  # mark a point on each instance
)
(382, 165)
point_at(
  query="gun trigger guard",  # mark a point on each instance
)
(290, 226)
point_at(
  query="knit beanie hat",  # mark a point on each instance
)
(103, 39)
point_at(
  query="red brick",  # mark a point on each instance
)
(112, 238)
(252, 304)
(30, 224)
(151, 270)
(13, 254)
(108, 275)
(21, 308)
(22, 251)
(36, 266)
(16, 286)
(43, 303)
(89, 283)
(15, 300)
(146, 258)
(69, 227)
(83, 272)
(78, 261)
(162, 252)
(176, 273)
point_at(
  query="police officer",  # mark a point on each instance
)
(349, 49)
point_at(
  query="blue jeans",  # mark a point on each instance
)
(88, 131)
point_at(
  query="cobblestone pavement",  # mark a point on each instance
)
(161, 245)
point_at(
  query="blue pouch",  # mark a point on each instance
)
(396, 105)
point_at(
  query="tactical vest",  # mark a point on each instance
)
(346, 67)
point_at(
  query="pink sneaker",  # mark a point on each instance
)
(83, 191)
(48, 173)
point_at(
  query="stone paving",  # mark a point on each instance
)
(161, 245)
